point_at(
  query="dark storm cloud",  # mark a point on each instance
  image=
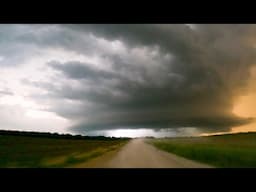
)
(168, 76)
(140, 34)
(77, 70)
(18, 43)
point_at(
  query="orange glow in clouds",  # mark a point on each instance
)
(246, 106)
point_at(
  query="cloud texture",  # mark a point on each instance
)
(133, 76)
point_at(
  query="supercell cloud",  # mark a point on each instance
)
(84, 78)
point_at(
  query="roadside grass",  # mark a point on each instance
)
(76, 158)
(227, 151)
(37, 152)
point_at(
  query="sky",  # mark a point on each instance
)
(128, 79)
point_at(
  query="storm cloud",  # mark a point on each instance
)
(133, 76)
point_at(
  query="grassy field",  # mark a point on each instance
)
(233, 150)
(30, 151)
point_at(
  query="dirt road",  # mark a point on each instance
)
(138, 154)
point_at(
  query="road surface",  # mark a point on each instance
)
(138, 154)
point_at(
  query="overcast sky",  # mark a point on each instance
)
(168, 79)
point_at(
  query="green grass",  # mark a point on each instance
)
(24, 151)
(233, 150)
